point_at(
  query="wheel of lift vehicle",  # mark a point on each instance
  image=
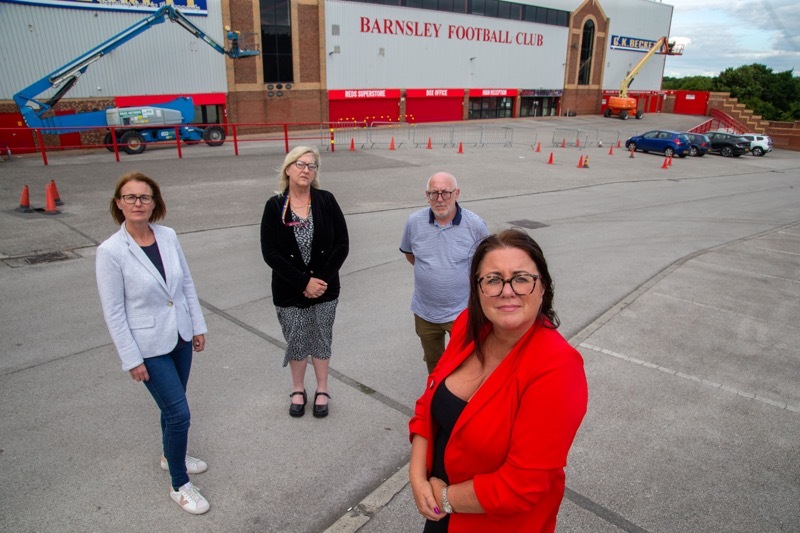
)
(132, 142)
(757, 151)
(607, 112)
(639, 114)
(726, 151)
(693, 151)
(623, 115)
(669, 151)
(214, 135)
(108, 141)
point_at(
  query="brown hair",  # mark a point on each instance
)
(159, 211)
(510, 238)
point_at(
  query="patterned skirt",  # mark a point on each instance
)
(308, 331)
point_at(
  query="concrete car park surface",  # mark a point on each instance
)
(679, 286)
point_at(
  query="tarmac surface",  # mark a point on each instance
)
(679, 286)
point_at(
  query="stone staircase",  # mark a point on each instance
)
(738, 111)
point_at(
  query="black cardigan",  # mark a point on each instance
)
(328, 250)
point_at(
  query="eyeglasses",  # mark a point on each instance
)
(302, 165)
(292, 223)
(521, 284)
(433, 195)
(131, 198)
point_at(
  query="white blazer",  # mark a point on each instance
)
(145, 314)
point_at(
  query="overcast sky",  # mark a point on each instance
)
(731, 33)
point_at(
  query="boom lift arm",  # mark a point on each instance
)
(67, 76)
(621, 104)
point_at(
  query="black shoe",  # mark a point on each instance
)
(298, 409)
(320, 411)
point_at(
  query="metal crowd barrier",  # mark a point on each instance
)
(565, 137)
(383, 133)
(525, 136)
(442, 136)
(503, 136)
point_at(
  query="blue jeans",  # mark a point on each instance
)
(169, 375)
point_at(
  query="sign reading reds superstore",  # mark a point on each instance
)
(432, 30)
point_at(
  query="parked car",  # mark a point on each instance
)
(727, 144)
(663, 141)
(759, 144)
(699, 144)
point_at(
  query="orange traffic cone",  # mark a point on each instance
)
(550, 161)
(24, 201)
(538, 147)
(670, 161)
(665, 164)
(429, 143)
(563, 143)
(50, 201)
(391, 145)
(578, 142)
(580, 162)
(56, 197)
(611, 150)
(460, 148)
(631, 157)
(586, 161)
(352, 144)
(619, 143)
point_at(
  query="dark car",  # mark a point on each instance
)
(662, 141)
(727, 144)
(699, 144)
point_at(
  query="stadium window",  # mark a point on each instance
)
(587, 49)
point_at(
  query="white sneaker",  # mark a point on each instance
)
(190, 499)
(193, 465)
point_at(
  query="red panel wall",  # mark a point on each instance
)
(19, 141)
(691, 102)
(364, 105)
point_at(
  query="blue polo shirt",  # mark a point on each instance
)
(442, 256)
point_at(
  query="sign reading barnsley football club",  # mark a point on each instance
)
(618, 42)
(188, 7)
(455, 32)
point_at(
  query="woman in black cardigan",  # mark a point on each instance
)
(304, 241)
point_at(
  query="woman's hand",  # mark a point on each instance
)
(425, 500)
(437, 485)
(315, 288)
(139, 373)
(199, 343)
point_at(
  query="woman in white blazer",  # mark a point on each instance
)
(154, 318)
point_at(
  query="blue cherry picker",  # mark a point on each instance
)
(134, 126)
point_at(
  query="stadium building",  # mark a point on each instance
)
(343, 60)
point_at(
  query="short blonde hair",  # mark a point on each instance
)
(291, 158)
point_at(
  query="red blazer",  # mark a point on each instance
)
(513, 437)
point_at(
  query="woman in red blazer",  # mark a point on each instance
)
(491, 434)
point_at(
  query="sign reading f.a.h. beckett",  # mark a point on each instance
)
(434, 30)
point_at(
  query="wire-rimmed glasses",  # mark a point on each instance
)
(433, 195)
(522, 284)
(131, 198)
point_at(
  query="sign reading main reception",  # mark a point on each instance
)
(189, 7)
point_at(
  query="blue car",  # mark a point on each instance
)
(666, 142)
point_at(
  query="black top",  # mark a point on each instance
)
(155, 256)
(329, 249)
(446, 407)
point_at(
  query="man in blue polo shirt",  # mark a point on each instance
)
(439, 241)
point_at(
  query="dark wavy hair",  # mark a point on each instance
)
(159, 211)
(510, 238)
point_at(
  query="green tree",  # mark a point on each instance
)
(774, 96)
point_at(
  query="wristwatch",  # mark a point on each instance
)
(446, 507)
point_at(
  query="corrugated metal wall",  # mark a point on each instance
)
(357, 58)
(166, 59)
